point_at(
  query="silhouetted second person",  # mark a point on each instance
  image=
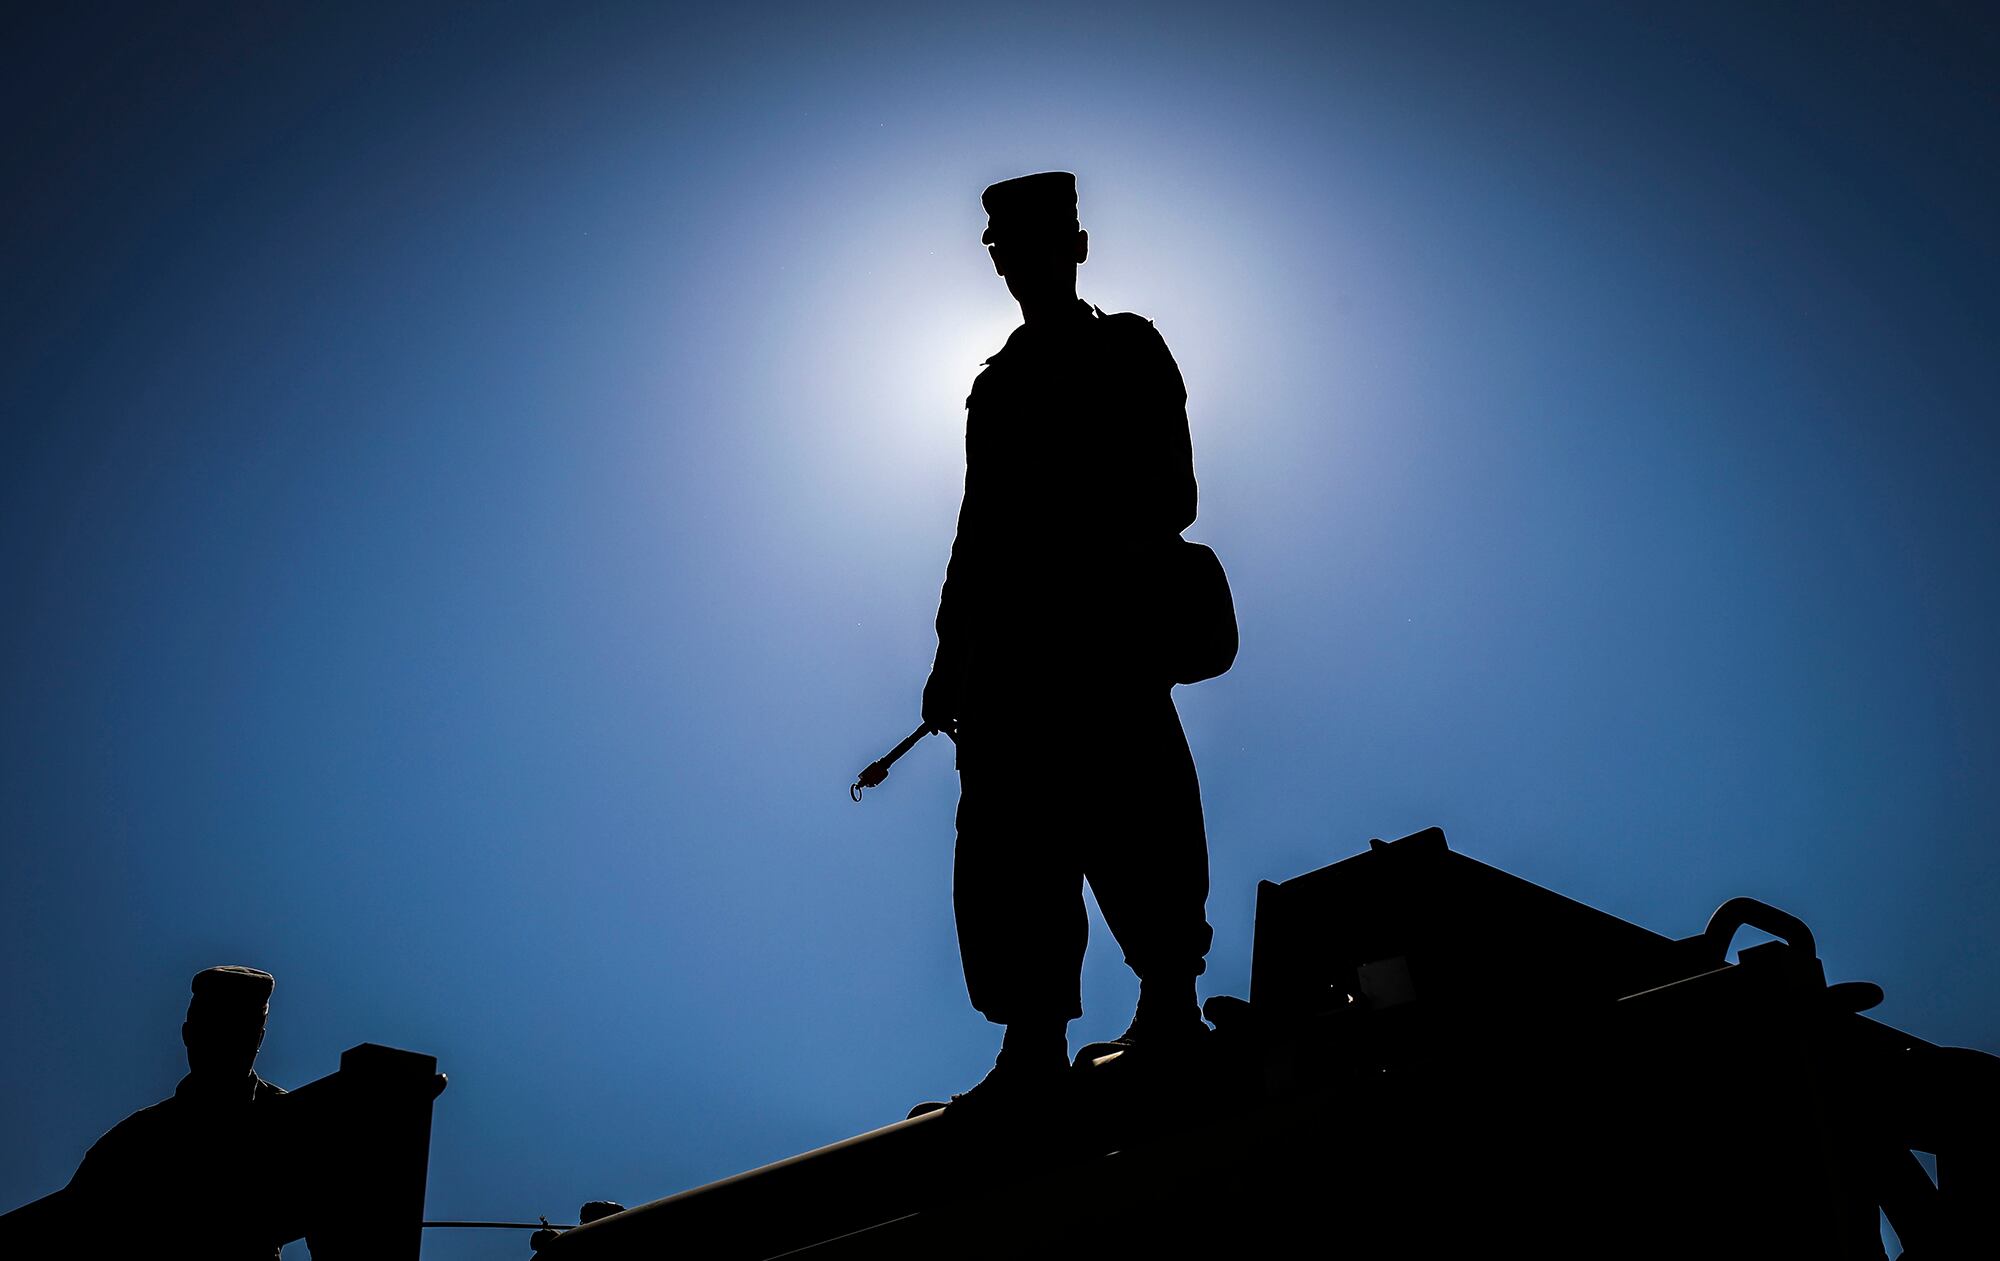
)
(197, 1173)
(1072, 762)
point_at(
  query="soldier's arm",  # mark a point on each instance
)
(1174, 478)
(944, 688)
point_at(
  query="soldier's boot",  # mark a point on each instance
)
(1168, 1026)
(1030, 1071)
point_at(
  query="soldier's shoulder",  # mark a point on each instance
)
(136, 1134)
(1008, 350)
(984, 382)
(152, 1114)
(1131, 320)
(1133, 329)
(992, 371)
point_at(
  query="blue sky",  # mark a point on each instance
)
(475, 483)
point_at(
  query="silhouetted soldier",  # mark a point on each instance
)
(195, 1172)
(1079, 473)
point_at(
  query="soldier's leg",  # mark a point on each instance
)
(1147, 861)
(1017, 890)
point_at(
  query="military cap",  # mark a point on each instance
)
(233, 984)
(1031, 205)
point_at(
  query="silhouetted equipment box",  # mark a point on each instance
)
(360, 1143)
(1438, 1059)
(1411, 919)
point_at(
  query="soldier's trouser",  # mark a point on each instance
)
(1042, 809)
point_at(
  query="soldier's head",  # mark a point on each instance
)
(1033, 236)
(225, 1020)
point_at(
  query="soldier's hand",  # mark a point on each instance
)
(941, 705)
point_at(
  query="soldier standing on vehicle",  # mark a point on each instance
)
(1079, 472)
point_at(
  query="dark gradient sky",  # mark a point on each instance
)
(475, 483)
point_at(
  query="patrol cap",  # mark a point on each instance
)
(1042, 205)
(232, 986)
